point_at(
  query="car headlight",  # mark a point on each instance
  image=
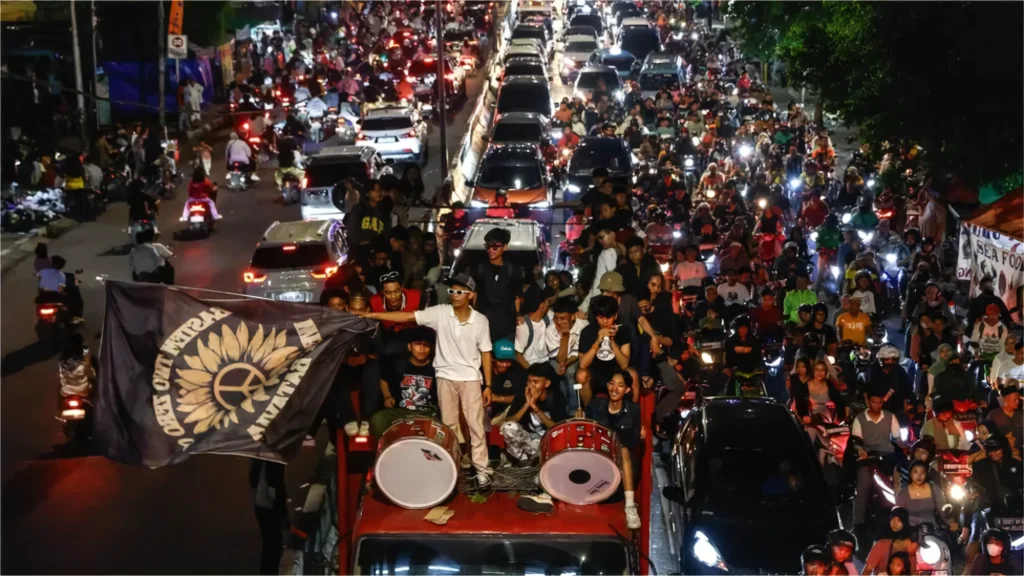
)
(794, 183)
(847, 217)
(930, 551)
(706, 552)
(542, 205)
(572, 189)
(957, 492)
(707, 358)
(835, 271)
(746, 150)
(619, 95)
(677, 234)
(688, 162)
(477, 204)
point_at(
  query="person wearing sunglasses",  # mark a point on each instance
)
(499, 283)
(463, 348)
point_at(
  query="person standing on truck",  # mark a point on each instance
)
(463, 347)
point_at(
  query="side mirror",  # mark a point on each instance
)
(674, 494)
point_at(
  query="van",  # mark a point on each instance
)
(330, 166)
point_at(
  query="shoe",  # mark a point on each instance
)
(466, 462)
(364, 428)
(309, 441)
(182, 219)
(483, 482)
(632, 517)
(538, 504)
(352, 428)
(254, 177)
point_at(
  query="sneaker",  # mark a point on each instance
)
(309, 441)
(364, 428)
(483, 482)
(254, 177)
(538, 504)
(352, 428)
(632, 517)
(466, 462)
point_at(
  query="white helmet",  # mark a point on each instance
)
(888, 352)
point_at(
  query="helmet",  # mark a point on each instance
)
(862, 274)
(815, 553)
(821, 307)
(888, 352)
(504, 350)
(926, 443)
(741, 320)
(805, 308)
(790, 245)
(841, 538)
(992, 443)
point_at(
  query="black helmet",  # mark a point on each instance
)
(805, 308)
(840, 537)
(741, 320)
(815, 553)
(997, 534)
(928, 444)
(992, 443)
(821, 307)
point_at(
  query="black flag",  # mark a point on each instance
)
(179, 375)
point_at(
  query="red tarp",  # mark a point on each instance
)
(1005, 216)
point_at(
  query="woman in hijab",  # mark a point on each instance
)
(896, 537)
(942, 353)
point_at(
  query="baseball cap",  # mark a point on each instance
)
(504, 350)
(611, 282)
(461, 279)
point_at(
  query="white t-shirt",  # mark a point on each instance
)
(867, 300)
(737, 294)
(605, 263)
(690, 273)
(537, 350)
(146, 258)
(553, 339)
(1009, 370)
(1001, 359)
(989, 338)
(459, 345)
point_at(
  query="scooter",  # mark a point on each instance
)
(238, 179)
(291, 189)
(200, 221)
(75, 416)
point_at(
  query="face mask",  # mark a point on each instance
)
(994, 549)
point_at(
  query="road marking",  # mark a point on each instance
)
(30, 236)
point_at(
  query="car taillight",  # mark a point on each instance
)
(325, 273)
(411, 134)
(47, 311)
(362, 136)
(288, 248)
(253, 277)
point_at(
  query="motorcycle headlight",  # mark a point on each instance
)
(707, 358)
(904, 434)
(957, 492)
(664, 267)
(457, 251)
(847, 217)
(762, 203)
(866, 236)
(710, 259)
(710, 193)
(969, 434)
(706, 553)
(930, 551)
(685, 413)
(871, 183)
(835, 271)
(688, 162)
(886, 489)
(814, 236)
(746, 150)
(794, 183)
(677, 234)
(619, 95)
(694, 36)
(890, 258)
(572, 188)
(695, 141)
(776, 363)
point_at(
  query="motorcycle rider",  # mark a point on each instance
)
(141, 204)
(996, 558)
(827, 244)
(946, 430)
(955, 383)
(76, 371)
(891, 379)
(742, 350)
(202, 191)
(1008, 415)
(827, 333)
(149, 261)
(815, 560)
(988, 333)
(239, 154)
(842, 545)
(853, 325)
(875, 431)
(980, 303)
(924, 451)
(798, 298)
(864, 218)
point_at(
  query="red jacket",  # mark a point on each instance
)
(411, 303)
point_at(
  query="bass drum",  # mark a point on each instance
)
(417, 462)
(579, 462)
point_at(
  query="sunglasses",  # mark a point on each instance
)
(454, 292)
(389, 276)
(495, 246)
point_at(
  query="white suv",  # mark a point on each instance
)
(527, 247)
(397, 132)
(294, 260)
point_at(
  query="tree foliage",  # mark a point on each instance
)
(948, 76)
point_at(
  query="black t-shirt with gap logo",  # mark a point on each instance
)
(413, 387)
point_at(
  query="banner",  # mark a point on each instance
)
(986, 253)
(177, 15)
(181, 375)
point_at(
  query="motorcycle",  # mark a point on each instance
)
(136, 226)
(75, 417)
(773, 351)
(768, 247)
(238, 179)
(291, 189)
(933, 556)
(53, 324)
(1010, 518)
(200, 221)
(954, 470)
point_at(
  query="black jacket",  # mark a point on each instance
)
(633, 280)
(496, 297)
(801, 397)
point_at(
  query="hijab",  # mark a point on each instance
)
(904, 516)
(939, 366)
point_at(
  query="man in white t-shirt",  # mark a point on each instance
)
(606, 261)
(690, 272)
(463, 347)
(732, 291)
(563, 343)
(531, 342)
(1003, 360)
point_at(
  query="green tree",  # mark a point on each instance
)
(204, 22)
(948, 76)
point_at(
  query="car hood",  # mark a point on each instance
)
(764, 544)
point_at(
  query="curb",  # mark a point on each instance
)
(14, 254)
(214, 124)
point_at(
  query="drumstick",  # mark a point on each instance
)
(579, 401)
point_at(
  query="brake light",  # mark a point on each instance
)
(245, 126)
(411, 134)
(288, 248)
(73, 403)
(47, 311)
(252, 277)
(428, 60)
(196, 208)
(326, 273)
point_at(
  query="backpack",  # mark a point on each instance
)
(529, 327)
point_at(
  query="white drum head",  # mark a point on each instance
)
(579, 477)
(416, 473)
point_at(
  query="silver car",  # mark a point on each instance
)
(294, 259)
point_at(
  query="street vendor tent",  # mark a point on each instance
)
(1005, 216)
(992, 245)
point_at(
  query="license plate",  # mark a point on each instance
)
(195, 219)
(291, 297)
(1013, 524)
(73, 414)
(387, 140)
(838, 430)
(710, 345)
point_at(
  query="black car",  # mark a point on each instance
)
(593, 152)
(639, 41)
(747, 494)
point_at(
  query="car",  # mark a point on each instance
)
(539, 18)
(634, 22)
(592, 20)
(624, 14)
(332, 165)
(661, 72)
(520, 127)
(397, 132)
(638, 41)
(576, 52)
(590, 76)
(625, 64)
(588, 31)
(524, 94)
(593, 152)
(526, 249)
(518, 169)
(524, 66)
(745, 492)
(532, 30)
(293, 260)
(525, 51)
(456, 39)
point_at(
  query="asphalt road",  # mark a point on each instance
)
(68, 512)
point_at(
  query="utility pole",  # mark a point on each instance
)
(161, 35)
(79, 86)
(442, 83)
(95, 65)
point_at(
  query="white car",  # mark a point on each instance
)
(328, 167)
(575, 53)
(397, 133)
(527, 247)
(293, 260)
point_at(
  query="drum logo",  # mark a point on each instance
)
(430, 455)
(598, 487)
(222, 376)
(556, 433)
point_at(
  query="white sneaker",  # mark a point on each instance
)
(254, 177)
(364, 428)
(536, 503)
(352, 428)
(632, 517)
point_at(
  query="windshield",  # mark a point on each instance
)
(659, 81)
(458, 35)
(394, 123)
(587, 46)
(588, 80)
(774, 480)
(622, 64)
(592, 155)
(290, 256)
(516, 132)
(530, 32)
(588, 20)
(510, 176)
(639, 41)
(524, 98)
(321, 175)
(517, 69)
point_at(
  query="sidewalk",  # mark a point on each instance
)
(14, 248)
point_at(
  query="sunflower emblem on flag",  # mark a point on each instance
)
(230, 371)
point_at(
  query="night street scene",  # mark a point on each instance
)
(541, 287)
